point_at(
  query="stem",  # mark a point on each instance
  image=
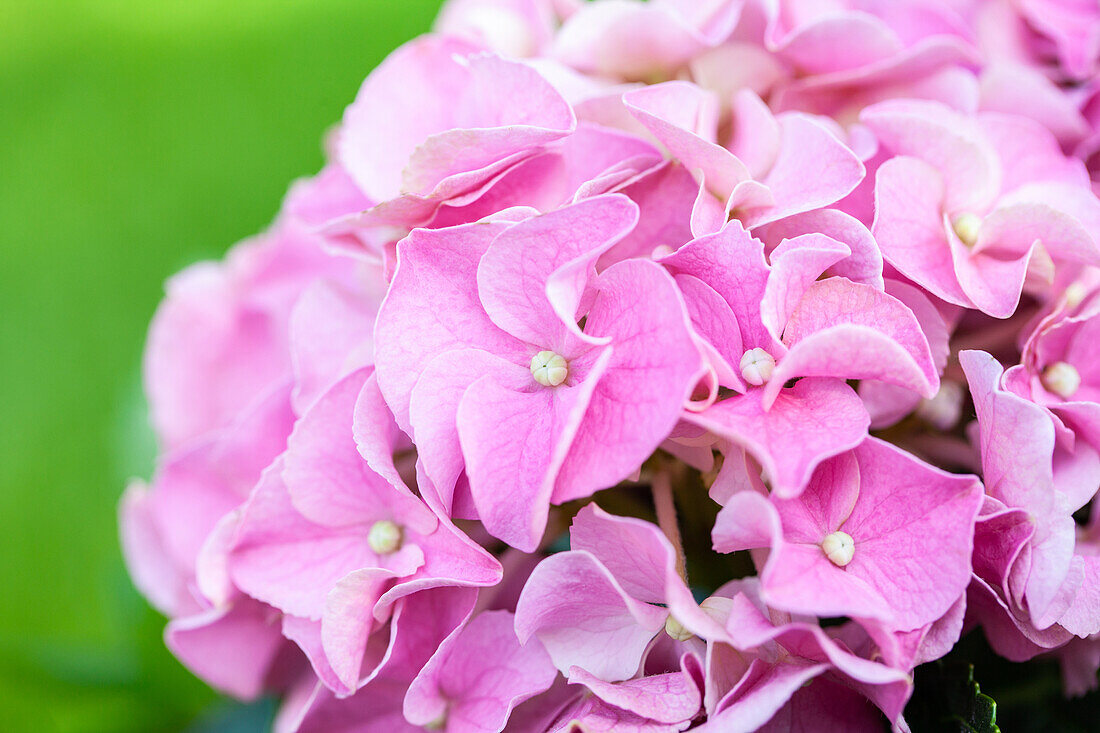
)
(661, 485)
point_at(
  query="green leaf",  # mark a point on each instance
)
(947, 698)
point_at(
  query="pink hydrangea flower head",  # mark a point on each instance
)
(646, 256)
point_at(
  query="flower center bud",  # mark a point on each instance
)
(549, 369)
(438, 724)
(966, 228)
(839, 547)
(1074, 294)
(757, 366)
(385, 537)
(945, 408)
(1062, 379)
(676, 630)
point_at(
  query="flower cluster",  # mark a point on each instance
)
(649, 366)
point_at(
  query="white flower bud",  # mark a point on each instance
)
(757, 366)
(549, 369)
(1074, 294)
(945, 408)
(966, 227)
(676, 630)
(385, 537)
(1061, 379)
(839, 547)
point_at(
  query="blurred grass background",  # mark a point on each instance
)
(135, 137)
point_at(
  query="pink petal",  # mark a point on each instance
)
(913, 526)
(635, 552)
(796, 264)
(519, 439)
(286, 560)
(633, 40)
(811, 421)
(653, 366)
(684, 118)
(327, 478)
(499, 108)
(950, 142)
(761, 692)
(1017, 443)
(813, 169)
(533, 275)
(478, 676)
(433, 410)
(909, 226)
(662, 698)
(230, 648)
(434, 294)
(853, 331)
(331, 334)
(732, 263)
(864, 264)
(575, 607)
(348, 621)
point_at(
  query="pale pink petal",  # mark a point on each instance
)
(477, 676)
(909, 226)
(532, 277)
(813, 169)
(231, 648)
(434, 294)
(499, 108)
(576, 608)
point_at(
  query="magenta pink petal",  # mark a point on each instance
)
(806, 424)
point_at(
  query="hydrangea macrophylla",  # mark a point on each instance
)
(1059, 369)
(1038, 570)
(876, 534)
(326, 539)
(779, 658)
(679, 253)
(221, 634)
(502, 383)
(964, 201)
(769, 323)
(761, 175)
(500, 112)
(842, 55)
(593, 608)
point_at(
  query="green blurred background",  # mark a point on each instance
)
(135, 137)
